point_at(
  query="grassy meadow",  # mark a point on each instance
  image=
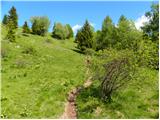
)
(80, 71)
(37, 73)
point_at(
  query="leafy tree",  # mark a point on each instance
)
(26, 28)
(151, 29)
(70, 35)
(106, 38)
(5, 20)
(59, 31)
(127, 34)
(84, 37)
(13, 16)
(40, 25)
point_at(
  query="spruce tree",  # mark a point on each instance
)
(5, 20)
(84, 37)
(26, 28)
(13, 17)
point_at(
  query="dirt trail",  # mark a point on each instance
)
(70, 111)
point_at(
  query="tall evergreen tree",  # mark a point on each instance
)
(26, 28)
(5, 20)
(84, 36)
(13, 16)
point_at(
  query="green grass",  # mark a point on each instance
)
(139, 99)
(37, 74)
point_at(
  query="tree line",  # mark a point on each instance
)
(40, 26)
(122, 36)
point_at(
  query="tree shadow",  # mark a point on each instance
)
(78, 51)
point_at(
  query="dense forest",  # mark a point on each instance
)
(40, 68)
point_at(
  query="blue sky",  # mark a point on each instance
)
(75, 13)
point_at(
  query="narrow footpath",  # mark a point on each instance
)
(70, 111)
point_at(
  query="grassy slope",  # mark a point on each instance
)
(35, 85)
(139, 99)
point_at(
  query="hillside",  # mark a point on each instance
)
(37, 73)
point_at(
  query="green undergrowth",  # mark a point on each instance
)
(138, 99)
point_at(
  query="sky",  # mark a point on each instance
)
(75, 13)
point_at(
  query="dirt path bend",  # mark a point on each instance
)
(70, 111)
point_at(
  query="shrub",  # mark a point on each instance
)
(147, 54)
(117, 74)
(114, 69)
(62, 32)
(40, 25)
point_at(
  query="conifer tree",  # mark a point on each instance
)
(26, 28)
(84, 37)
(5, 20)
(13, 17)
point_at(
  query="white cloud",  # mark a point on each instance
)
(76, 28)
(140, 21)
(92, 24)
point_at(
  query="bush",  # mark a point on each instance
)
(117, 74)
(59, 31)
(114, 69)
(62, 32)
(147, 54)
(40, 25)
